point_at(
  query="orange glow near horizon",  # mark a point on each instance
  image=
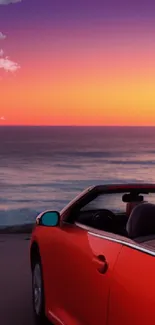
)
(83, 84)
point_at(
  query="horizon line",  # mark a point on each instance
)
(59, 125)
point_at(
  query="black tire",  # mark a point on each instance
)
(38, 305)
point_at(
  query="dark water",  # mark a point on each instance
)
(45, 167)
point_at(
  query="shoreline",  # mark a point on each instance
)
(17, 229)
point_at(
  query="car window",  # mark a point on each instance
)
(111, 202)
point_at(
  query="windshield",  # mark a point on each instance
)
(113, 202)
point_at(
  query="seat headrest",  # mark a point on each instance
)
(130, 206)
(141, 221)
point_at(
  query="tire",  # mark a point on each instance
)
(38, 294)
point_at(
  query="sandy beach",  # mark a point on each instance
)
(15, 280)
(18, 229)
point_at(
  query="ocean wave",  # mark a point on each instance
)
(58, 154)
(18, 216)
(31, 201)
(68, 186)
(94, 153)
(19, 212)
(132, 162)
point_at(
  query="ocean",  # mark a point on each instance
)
(45, 167)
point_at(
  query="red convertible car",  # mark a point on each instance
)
(94, 262)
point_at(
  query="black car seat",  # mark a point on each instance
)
(141, 223)
(130, 206)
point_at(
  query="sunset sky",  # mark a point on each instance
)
(68, 62)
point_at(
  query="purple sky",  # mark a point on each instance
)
(63, 11)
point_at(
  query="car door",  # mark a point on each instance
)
(86, 263)
(132, 294)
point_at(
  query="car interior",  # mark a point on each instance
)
(136, 222)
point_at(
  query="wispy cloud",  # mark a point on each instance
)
(7, 2)
(2, 36)
(1, 52)
(8, 65)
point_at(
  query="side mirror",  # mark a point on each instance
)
(49, 219)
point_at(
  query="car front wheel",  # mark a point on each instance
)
(38, 294)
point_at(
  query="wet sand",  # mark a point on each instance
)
(15, 280)
(18, 229)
